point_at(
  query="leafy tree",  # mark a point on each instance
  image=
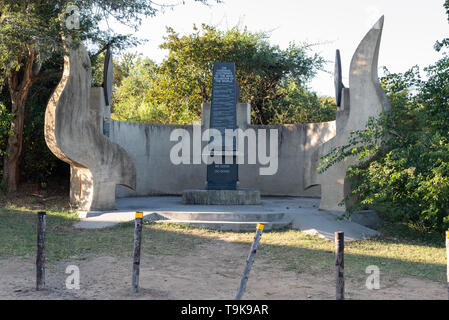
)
(127, 63)
(32, 31)
(404, 169)
(5, 126)
(299, 105)
(264, 72)
(129, 99)
(37, 161)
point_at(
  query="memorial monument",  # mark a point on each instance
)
(222, 177)
(105, 153)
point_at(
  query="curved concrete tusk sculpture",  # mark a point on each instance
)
(363, 99)
(73, 134)
(365, 91)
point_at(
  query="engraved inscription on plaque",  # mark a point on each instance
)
(223, 116)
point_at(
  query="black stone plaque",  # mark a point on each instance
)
(338, 78)
(223, 116)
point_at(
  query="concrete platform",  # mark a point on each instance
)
(276, 212)
(221, 197)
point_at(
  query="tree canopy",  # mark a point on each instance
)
(33, 32)
(271, 79)
(404, 169)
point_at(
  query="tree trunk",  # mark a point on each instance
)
(11, 160)
(19, 84)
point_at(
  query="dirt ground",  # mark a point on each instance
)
(209, 272)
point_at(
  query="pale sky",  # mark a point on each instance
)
(411, 28)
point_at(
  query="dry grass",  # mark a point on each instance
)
(400, 252)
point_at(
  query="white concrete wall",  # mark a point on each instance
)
(149, 145)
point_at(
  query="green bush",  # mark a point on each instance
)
(38, 163)
(404, 168)
(273, 80)
(5, 125)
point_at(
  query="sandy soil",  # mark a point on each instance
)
(207, 273)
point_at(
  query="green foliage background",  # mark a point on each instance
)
(37, 163)
(272, 80)
(404, 169)
(404, 154)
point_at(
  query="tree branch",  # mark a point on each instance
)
(105, 47)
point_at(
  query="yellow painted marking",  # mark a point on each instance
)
(260, 226)
(139, 215)
(447, 234)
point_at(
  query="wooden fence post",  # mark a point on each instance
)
(40, 258)
(249, 262)
(340, 264)
(137, 244)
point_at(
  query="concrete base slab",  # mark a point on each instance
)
(276, 212)
(221, 197)
(325, 223)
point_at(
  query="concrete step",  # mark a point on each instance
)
(232, 225)
(302, 212)
(223, 216)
